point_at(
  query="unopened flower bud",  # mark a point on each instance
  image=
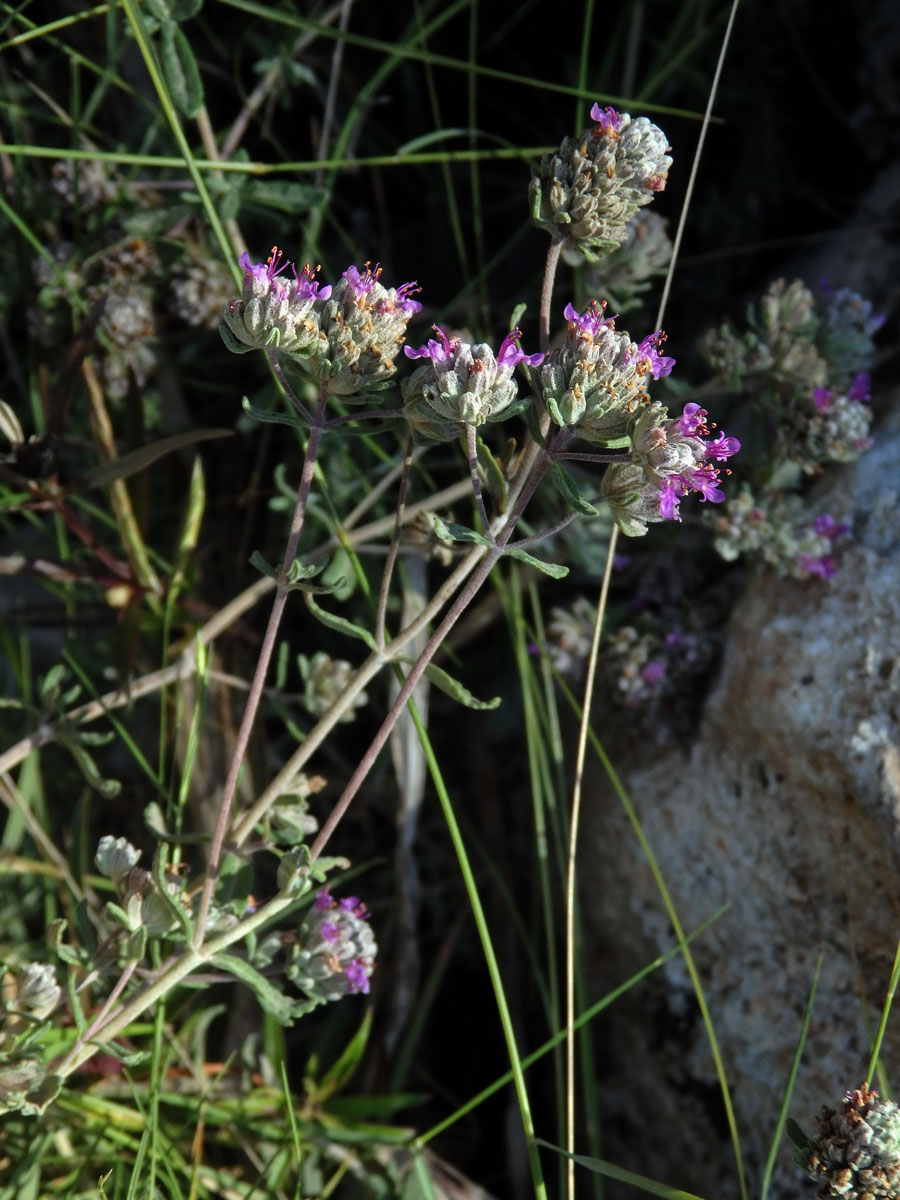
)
(37, 990)
(325, 678)
(115, 858)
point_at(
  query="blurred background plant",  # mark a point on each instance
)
(145, 147)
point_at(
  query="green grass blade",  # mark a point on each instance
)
(778, 1133)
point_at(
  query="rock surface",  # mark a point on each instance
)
(787, 808)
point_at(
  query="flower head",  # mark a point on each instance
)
(855, 1153)
(361, 327)
(670, 459)
(334, 954)
(597, 379)
(274, 311)
(585, 194)
(463, 385)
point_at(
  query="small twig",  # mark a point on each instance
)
(293, 398)
(545, 533)
(113, 996)
(376, 414)
(337, 59)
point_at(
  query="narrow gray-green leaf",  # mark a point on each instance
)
(453, 688)
(272, 1001)
(145, 456)
(451, 532)
(264, 414)
(569, 490)
(493, 476)
(339, 624)
(180, 70)
(554, 570)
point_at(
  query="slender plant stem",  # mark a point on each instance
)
(111, 999)
(262, 667)
(550, 265)
(885, 1013)
(173, 973)
(459, 605)
(472, 454)
(337, 59)
(550, 531)
(570, 865)
(293, 399)
(384, 590)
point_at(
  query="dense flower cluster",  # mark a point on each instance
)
(347, 336)
(596, 380)
(585, 193)
(781, 532)
(856, 1152)
(334, 952)
(462, 385)
(670, 459)
(803, 360)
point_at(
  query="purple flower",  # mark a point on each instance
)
(649, 358)
(822, 398)
(509, 353)
(362, 284)
(405, 292)
(705, 480)
(674, 487)
(692, 421)
(826, 526)
(264, 271)
(330, 932)
(607, 119)
(721, 447)
(324, 900)
(357, 976)
(439, 351)
(653, 671)
(592, 320)
(822, 565)
(307, 288)
(861, 388)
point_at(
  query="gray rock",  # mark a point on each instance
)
(787, 808)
